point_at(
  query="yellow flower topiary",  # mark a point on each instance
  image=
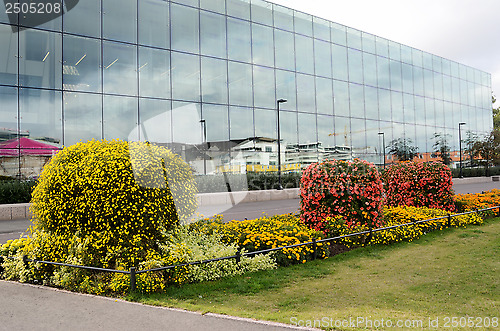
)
(107, 203)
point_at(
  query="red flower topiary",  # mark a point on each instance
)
(351, 190)
(419, 184)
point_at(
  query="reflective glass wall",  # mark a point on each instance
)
(203, 77)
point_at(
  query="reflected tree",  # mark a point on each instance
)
(441, 147)
(403, 149)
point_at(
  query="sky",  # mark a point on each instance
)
(465, 31)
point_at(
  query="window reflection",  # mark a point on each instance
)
(241, 120)
(305, 93)
(322, 58)
(82, 64)
(240, 84)
(120, 118)
(341, 98)
(213, 34)
(265, 123)
(324, 95)
(239, 8)
(214, 80)
(119, 20)
(303, 23)
(154, 72)
(185, 25)
(185, 77)
(262, 12)
(82, 117)
(304, 54)
(154, 27)
(263, 87)
(120, 68)
(284, 49)
(40, 59)
(216, 121)
(84, 19)
(285, 88)
(155, 118)
(238, 35)
(8, 112)
(262, 45)
(8, 52)
(282, 17)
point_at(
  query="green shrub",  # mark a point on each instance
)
(251, 181)
(349, 190)
(15, 191)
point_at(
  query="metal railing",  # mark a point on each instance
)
(133, 272)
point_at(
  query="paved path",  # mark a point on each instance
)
(30, 307)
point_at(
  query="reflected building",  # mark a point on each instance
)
(203, 77)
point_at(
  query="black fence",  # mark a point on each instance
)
(133, 272)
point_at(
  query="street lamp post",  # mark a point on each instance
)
(204, 133)
(460, 146)
(383, 144)
(280, 187)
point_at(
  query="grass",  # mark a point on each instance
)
(451, 273)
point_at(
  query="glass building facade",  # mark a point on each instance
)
(203, 77)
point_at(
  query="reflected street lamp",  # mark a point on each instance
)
(204, 137)
(383, 144)
(460, 144)
(280, 187)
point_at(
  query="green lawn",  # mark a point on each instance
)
(452, 273)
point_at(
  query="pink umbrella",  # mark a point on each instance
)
(26, 146)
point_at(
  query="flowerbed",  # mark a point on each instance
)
(403, 215)
(469, 202)
(266, 233)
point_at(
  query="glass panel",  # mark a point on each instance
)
(238, 40)
(7, 18)
(382, 46)
(325, 133)
(370, 69)
(322, 58)
(369, 43)
(430, 115)
(429, 83)
(40, 59)
(436, 64)
(120, 68)
(358, 136)
(283, 17)
(395, 51)
(321, 28)
(8, 52)
(213, 34)
(339, 62)
(50, 19)
(185, 27)
(240, 84)
(265, 123)
(438, 85)
(357, 98)
(384, 104)
(154, 72)
(383, 72)
(41, 115)
(355, 66)
(455, 71)
(343, 136)
(371, 102)
(419, 110)
(396, 76)
(214, 5)
(303, 23)
(155, 118)
(239, 8)
(324, 95)
(418, 80)
(262, 45)
(82, 64)
(427, 61)
(407, 78)
(406, 54)
(214, 80)
(307, 128)
(185, 77)
(339, 34)
(353, 38)
(8, 113)
(82, 117)
(241, 120)
(397, 107)
(409, 108)
(154, 27)
(262, 12)
(120, 118)
(263, 87)
(216, 121)
(341, 98)
(288, 128)
(84, 19)
(439, 108)
(286, 89)
(284, 50)
(304, 54)
(417, 57)
(119, 20)
(305, 93)
(374, 141)
(186, 125)
(455, 85)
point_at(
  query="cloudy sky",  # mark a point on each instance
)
(466, 31)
